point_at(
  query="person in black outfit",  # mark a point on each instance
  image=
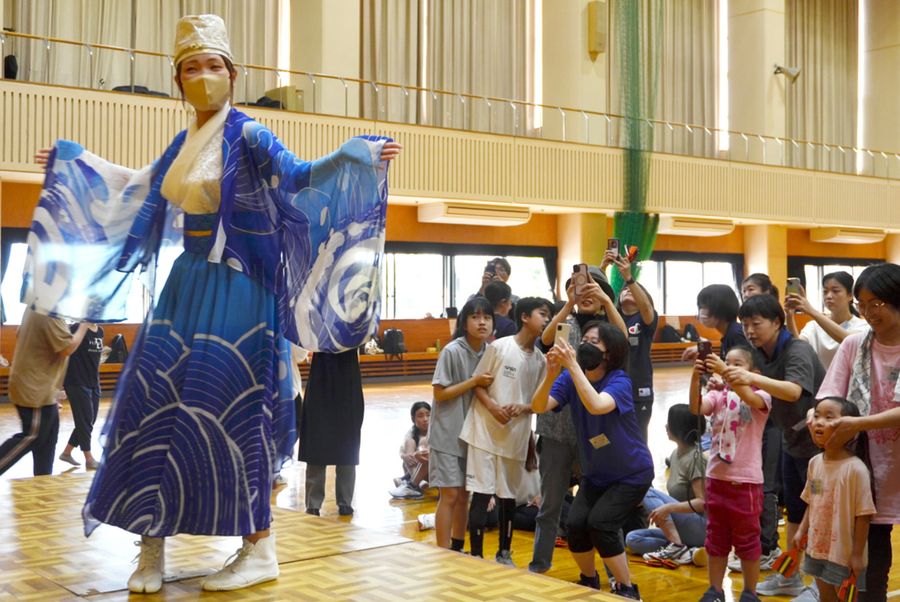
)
(640, 317)
(82, 386)
(330, 425)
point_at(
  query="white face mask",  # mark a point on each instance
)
(207, 92)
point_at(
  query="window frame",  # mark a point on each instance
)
(735, 259)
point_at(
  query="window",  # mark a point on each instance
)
(674, 279)
(421, 279)
(813, 275)
(11, 288)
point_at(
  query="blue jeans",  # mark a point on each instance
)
(691, 527)
(555, 463)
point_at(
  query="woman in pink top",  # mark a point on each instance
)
(865, 371)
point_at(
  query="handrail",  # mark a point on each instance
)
(377, 86)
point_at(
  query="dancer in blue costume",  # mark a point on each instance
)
(275, 250)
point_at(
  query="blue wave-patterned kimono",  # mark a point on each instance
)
(203, 415)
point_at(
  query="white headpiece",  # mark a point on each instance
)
(201, 34)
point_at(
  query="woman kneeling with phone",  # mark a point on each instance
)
(616, 463)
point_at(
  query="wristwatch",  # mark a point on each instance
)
(629, 281)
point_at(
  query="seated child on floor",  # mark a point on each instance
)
(414, 453)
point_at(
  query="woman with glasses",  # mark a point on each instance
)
(865, 371)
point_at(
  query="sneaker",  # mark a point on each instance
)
(810, 593)
(423, 485)
(592, 582)
(675, 552)
(68, 458)
(748, 596)
(252, 564)
(699, 556)
(148, 577)
(504, 557)
(767, 560)
(397, 481)
(426, 521)
(561, 542)
(345, 510)
(406, 492)
(313, 511)
(627, 591)
(711, 595)
(778, 585)
(91, 464)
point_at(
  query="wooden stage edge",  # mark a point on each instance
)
(45, 556)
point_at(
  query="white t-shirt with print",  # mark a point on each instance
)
(517, 375)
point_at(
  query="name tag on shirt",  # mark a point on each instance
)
(599, 441)
(645, 391)
(634, 341)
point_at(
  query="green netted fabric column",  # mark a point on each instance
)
(638, 35)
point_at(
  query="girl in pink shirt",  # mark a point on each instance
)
(865, 371)
(840, 504)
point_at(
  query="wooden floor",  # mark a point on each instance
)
(378, 554)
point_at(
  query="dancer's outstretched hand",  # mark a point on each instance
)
(390, 151)
(42, 156)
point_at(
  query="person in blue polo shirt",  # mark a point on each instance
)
(617, 468)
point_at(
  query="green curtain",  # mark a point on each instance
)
(640, 54)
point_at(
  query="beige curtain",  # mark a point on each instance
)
(141, 24)
(479, 47)
(821, 103)
(390, 39)
(686, 33)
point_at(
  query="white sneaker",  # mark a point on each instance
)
(676, 552)
(809, 594)
(148, 577)
(406, 492)
(254, 563)
(777, 584)
(765, 561)
(426, 521)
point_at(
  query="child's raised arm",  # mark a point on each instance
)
(694, 391)
(749, 396)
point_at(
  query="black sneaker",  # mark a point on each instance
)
(627, 591)
(591, 582)
(711, 595)
(313, 511)
(345, 510)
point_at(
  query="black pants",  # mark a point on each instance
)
(772, 481)
(597, 514)
(643, 408)
(40, 430)
(879, 564)
(85, 403)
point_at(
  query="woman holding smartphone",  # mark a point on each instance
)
(825, 332)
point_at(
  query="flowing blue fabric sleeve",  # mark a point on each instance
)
(78, 231)
(333, 214)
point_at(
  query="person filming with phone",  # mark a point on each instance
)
(636, 307)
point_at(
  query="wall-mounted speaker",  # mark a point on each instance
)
(597, 20)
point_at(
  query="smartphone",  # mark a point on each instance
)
(490, 269)
(704, 348)
(563, 331)
(580, 277)
(612, 244)
(793, 287)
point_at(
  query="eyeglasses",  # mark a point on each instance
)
(868, 309)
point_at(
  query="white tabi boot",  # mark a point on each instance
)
(148, 577)
(252, 564)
